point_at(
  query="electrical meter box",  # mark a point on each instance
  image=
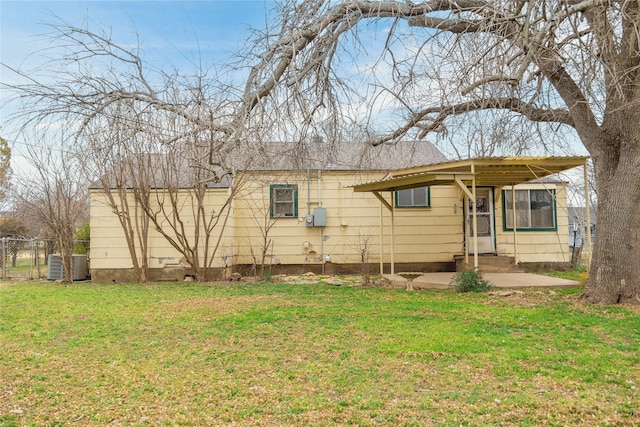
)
(319, 217)
(308, 220)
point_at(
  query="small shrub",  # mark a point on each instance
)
(82, 237)
(470, 281)
(584, 276)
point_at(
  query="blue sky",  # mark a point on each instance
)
(171, 33)
(212, 27)
(178, 34)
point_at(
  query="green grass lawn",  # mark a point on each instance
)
(580, 274)
(282, 354)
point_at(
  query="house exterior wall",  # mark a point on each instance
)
(110, 256)
(426, 239)
(108, 244)
(422, 235)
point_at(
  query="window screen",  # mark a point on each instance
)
(535, 209)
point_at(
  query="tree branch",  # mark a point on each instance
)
(425, 121)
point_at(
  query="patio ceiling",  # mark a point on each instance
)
(487, 172)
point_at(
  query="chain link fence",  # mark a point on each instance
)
(26, 259)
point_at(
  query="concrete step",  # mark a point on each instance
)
(490, 264)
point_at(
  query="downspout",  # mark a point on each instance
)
(308, 191)
(319, 187)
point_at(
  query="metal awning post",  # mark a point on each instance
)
(381, 242)
(467, 237)
(587, 212)
(390, 208)
(393, 232)
(467, 196)
(475, 221)
(513, 219)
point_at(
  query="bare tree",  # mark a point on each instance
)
(551, 63)
(125, 113)
(186, 208)
(92, 81)
(258, 202)
(115, 157)
(363, 248)
(56, 195)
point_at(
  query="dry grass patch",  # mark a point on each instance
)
(291, 354)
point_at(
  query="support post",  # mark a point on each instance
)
(475, 222)
(513, 219)
(381, 242)
(393, 232)
(467, 237)
(588, 213)
(383, 202)
(466, 198)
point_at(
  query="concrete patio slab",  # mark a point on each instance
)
(499, 280)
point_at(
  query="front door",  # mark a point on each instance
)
(484, 217)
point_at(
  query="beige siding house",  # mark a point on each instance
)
(111, 258)
(397, 208)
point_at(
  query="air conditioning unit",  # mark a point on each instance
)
(80, 268)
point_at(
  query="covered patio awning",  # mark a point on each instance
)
(469, 174)
(487, 172)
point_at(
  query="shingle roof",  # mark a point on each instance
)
(291, 156)
(346, 156)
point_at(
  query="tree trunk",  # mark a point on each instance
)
(614, 276)
(66, 255)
